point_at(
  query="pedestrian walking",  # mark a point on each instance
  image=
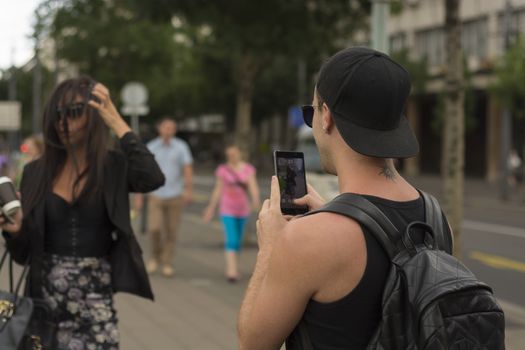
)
(235, 185)
(165, 205)
(32, 148)
(515, 166)
(75, 229)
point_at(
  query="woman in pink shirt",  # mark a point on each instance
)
(235, 185)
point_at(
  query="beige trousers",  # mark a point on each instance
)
(163, 222)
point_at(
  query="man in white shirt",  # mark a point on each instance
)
(166, 203)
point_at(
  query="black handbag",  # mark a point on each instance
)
(41, 331)
(15, 310)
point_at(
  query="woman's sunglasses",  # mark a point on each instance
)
(308, 114)
(72, 111)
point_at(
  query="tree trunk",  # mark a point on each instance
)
(245, 73)
(454, 133)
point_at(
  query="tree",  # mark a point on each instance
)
(454, 130)
(251, 35)
(201, 56)
(116, 42)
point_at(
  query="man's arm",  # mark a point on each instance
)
(283, 281)
(277, 295)
(253, 188)
(188, 183)
(187, 168)
(209, 212)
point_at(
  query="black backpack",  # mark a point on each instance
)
(431, 300)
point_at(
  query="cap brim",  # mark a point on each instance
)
(396, 143)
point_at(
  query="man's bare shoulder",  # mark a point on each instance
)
(322, 233)
(318, 250)
(321, 224)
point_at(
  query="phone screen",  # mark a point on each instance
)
(290, 171)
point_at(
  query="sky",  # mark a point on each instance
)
(16, 19)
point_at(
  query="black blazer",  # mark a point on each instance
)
(133, 169)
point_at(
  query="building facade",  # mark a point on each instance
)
(418, 29)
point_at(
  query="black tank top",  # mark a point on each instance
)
(349, 323)
(82, 228)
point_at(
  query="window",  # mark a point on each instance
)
(398, 42)
(474, 38)
(430, 45)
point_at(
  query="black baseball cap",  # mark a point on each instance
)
(366, 92)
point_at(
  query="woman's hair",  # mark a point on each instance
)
(95, 141)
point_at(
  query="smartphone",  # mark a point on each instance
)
(290, 171)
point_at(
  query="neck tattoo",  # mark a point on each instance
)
(388, 171)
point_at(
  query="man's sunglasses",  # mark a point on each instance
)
(308, 114)
(72, 111)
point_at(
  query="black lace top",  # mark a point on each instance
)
(82, 228)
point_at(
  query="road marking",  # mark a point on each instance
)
(494, 228)
(498, 262)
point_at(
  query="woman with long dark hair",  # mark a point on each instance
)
(74, 229)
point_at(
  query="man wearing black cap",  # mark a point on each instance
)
(318, 280)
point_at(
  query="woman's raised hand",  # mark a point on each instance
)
(107, 110)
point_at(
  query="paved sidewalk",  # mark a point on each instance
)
(197, 309)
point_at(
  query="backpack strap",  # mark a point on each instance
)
(434, 217)
(360, 209)
(365, 212)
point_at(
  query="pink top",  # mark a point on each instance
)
(234, 199)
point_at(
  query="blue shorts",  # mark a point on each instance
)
(233, 232)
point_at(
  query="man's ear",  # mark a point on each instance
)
(327, 119)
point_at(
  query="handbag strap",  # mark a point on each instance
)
(22, 277)
(238, 181)
(3, 258)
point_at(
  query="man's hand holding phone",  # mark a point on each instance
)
(271, 221)
(290, 171)
(312, 199)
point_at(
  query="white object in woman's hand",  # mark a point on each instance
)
(16, 224)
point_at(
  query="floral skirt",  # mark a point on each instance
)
(79, 293)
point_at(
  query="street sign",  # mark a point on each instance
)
(135, 98)
(134, 94)
(295, 116)
(10, 115)
(135, 110)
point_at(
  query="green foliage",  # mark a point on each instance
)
(116, 43)
(195, 55)
(273, 26)
(396, 7)
(471, 122)
(267, 38)
(417, 69)
(509, 87)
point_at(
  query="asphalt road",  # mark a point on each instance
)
(496, 254)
